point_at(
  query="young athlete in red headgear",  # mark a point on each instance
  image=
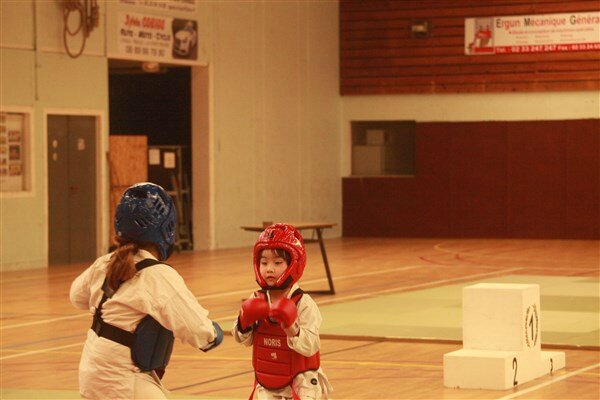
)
(281, 322)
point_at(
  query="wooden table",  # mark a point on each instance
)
(316, 227)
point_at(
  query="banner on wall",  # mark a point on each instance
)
(156, 38)
(165, 5)
(533, 33)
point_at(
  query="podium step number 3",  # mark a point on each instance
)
(501, 339)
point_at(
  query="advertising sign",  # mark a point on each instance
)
(533, 33)
(156, 38)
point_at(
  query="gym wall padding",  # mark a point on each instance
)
(509, 179)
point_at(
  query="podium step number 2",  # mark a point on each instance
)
(501, 339)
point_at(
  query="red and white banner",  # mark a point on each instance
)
(533, 33)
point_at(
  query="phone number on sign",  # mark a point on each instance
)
(547, 48)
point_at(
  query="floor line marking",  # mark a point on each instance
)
(544, 384)
(337, 278)
(397, 289)
(47, 340)
(27, 353)
(514, 259)
(43, 321)
(420, 285)
(215, 295)
(323, 301)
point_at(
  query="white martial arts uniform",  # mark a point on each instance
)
(308, 384)
(106, 370)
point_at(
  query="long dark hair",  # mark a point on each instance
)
(121, 266)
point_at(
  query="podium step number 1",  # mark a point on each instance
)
(501, 339)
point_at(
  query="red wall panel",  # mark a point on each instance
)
(478, 179)
(379, 207)
(527, 179)
(536, 170)
(432, 146)
(582, 196)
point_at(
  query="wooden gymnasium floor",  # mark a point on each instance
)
(42, 334)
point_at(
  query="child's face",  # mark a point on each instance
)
(272, 266)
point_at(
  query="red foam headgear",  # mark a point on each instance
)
(285, 237)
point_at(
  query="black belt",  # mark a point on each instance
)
(111, 332)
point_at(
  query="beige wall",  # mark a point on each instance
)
(37, 76)
(266, 132)
(16, 24)
(274, 131)
(464, 107)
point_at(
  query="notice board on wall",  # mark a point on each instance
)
(14, 156)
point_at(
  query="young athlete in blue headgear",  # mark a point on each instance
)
(139, 303)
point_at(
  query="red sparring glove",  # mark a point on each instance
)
(253, 309)
(284, 311)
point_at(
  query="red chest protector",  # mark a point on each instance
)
(275, 363)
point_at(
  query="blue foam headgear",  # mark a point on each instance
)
(146, 214)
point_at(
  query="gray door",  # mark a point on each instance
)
(71, 189)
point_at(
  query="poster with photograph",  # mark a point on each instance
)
(482, 37)
(156, 38)
(185, 43)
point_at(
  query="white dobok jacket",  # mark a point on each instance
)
(106, 369)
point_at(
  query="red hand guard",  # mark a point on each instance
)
(284, 311)
(253, 309)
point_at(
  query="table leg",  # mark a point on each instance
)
(327, 271)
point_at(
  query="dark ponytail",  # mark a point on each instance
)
(121, 266)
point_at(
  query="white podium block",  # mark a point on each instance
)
(498, 370)
(501, 339)
(500, 316)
